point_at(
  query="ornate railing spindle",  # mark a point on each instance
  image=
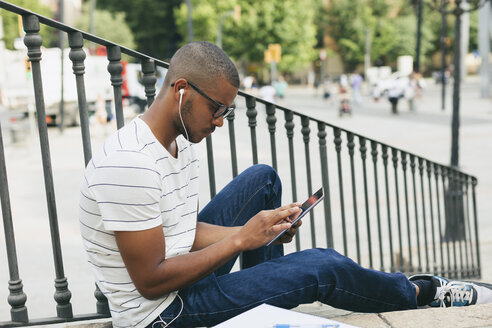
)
(407, 211)
(33, 42)
(149, 79)
(305, 130)
(419, 255)
(426, 243)
(232, 142)
(384, 151)
(289, 127)
(77, 56)
(326, 184)
(439, 219)
(431, 211)
(251, 112)
(397, 195)
(374, 153)
(363, 151)
(338, 148)
(17, 298)
(271, 120)
(350, 146)
(115, 68)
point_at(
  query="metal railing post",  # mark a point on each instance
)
(211, 166)
(271, 120)
(374, 153)
(407, 210)
(115, 68)
(251, 112)
(478, 273)
(305, 130)
(77, 56)
(384, 152)
(424, 220)
(351, 146)
(232, 142)
(444, 175)
(33, 42)
(149, 79)
(338, 148)
(363, 155)
(439, 219)
(17, 298)
(323, 154)
(412, 168)
(289, 127)
(468, 237)
(431, 212)
(394, 152)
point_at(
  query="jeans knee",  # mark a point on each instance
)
(267, 174)
(324, 259)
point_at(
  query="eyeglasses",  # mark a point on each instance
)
(220, 110)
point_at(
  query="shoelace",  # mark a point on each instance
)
(455, 292)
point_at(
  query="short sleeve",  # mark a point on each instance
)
(127, 188)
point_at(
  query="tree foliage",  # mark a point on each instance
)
(11, 23)
(109, 26)
(300, 26)
(391, 27)
(287, 22)
(152, 23)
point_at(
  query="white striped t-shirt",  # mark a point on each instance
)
(133, 184)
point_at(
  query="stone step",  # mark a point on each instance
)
(457, 317)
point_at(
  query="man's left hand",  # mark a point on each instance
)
(288, 235)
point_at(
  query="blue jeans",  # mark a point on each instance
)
(284, 281)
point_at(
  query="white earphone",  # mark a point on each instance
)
(181, 92)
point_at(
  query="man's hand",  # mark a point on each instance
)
(267, 224)
(287, 236)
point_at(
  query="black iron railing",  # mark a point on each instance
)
(386, 208)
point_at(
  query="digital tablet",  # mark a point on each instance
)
(307, 206)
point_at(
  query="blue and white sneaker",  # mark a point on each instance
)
(457, 293)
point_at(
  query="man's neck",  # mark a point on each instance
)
(161, 125)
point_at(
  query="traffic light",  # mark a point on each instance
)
(276, 51)
(28, 65)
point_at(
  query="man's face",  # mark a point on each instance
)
(198, 111)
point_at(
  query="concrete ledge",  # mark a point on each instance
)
(461, 317)
(99, 323)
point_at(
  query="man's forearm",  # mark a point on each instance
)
(208, 234)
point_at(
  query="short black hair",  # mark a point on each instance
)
(202, 63)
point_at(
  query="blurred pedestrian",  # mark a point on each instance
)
(356, 84)
(268, 92)
(395, 92)
(101, 117)
(344, 97)
(326, 89)
(248, 83)
(410, 91)
(280, 87)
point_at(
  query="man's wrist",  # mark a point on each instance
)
(237, 241)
